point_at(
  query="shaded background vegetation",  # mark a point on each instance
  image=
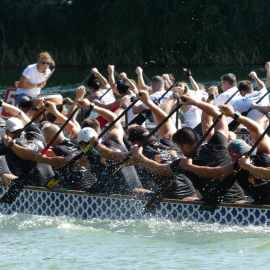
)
(139, 32)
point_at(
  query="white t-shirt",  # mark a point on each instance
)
(156, 96)
(107, 99)
(131, 115)
(34, 77)
(222, 99)
(243, 104)
(193, 116)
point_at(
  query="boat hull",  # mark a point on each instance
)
(40, 201)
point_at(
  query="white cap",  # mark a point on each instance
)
(86, 134)
(13, 124)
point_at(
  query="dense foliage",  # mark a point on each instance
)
(123, 32)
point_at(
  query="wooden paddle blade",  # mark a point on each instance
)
(157, 198)
(219, 193)
(208, 207)
(10, 196)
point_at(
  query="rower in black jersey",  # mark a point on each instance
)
(76, 179)
(161, 153)
(213, 153)
(16, 153)
(124, 182)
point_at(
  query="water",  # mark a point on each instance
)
(36, 242)
(65, 80)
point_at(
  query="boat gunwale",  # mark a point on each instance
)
(129, 197)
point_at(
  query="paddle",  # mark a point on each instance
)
(234, 124)
(58, 177)
(124, 161)
(19, 131)
(142, 116)
(198, 128)
(147, 79)
(50, 75)
(158, 196)
(18, 184)
(222, 189)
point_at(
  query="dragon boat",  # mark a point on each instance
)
(78, 204)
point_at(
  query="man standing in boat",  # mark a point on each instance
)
(32, 80)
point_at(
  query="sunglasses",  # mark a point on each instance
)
(45, 63)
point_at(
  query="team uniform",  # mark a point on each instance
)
(214, 153)
(243, 104)
(165, 152)
(33, 140)
(223, 98)
(155, 96)
(107, 99)
(257, 188)
(192, 116)
(76, 179)
(123, 182)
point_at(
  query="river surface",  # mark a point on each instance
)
(35, 242)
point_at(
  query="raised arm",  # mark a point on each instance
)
(116, 132)
(112, 79)
(102, 79)
(256, 130)
(254, 76)
(207, 120)
(16, 112)
(267, 67)
(133, 87)
(70, 127)
(211, 110)
(141, 83)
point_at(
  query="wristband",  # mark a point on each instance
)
(1, 102)
(175, 96)
(10, 144)
(124, 106)
(92, 105)
(211, 96)
(268, 115)
(95, 144)
(34, 108)
(236, 115)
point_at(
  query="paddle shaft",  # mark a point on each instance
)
(117, 75)
(107, 91)
(147, 79)
(53, 181)
(226, 183)
(159, 194)
(167, 91)
(82, 83)
(50, 75)
(18, 132)
(124, 161)
(19, 183)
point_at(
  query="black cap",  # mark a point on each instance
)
(139, 133)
